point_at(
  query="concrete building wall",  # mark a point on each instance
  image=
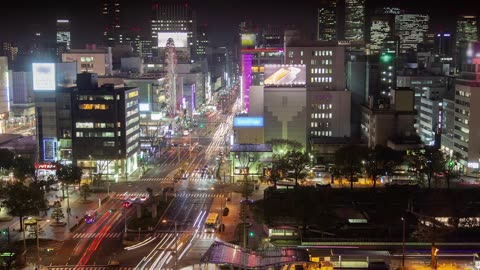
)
(256, 101)
(285, 113)
(93, 62)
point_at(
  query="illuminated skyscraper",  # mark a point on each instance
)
(381, 29)
(355, 20)
(327, 20)
(411, 28)
(111, 13)
(169, 16)
(63, 36)
(467, 29)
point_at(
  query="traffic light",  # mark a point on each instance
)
(111, 210)
(251, 234)
(450, 163)
(5, 231)
(386, 57)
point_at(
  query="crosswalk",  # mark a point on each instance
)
(156, 179)
(95, 235)
(132, 196)
(199, 195)
(192, 178)
(199, 235)
(86, 267)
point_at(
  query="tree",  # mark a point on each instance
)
(22, 168)
(85, 191)
(279, 166)
(68, 175)
(6, 159)
(282, 146)
(22, 201)
(348, 160)
(57, 212)
(381, 160)
(296, 163)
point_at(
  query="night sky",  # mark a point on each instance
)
(221, 16)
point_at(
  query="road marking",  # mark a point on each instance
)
(94, 235)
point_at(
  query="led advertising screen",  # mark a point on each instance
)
(285, 75)
(248, 121)
(43, 76)
(144, 107)
(248, 40)
(179, 38)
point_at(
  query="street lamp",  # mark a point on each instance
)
(91, 176)
(176, 240)
(403, 242)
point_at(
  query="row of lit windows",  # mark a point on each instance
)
(109, 143)
(321, 79)
(94, 125)
(385, 73)
(133, 120)
(319, 124)
(131, 103)
(91, 134)
(463, 93)
(315, 62)
(89, 106)
(132, 147)
(133, 138)
(321, 106)
(132, 112)
(321, 70)
(321, 115)
(132, 94)
(132, 129)
(322, 53)
(326, 133)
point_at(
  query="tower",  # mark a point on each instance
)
(111, 13)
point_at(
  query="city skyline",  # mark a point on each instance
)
(222, 18)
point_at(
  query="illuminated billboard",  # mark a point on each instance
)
(179, 38)
(248, 40)
(285, 75)
(248, 121)
(43, 76)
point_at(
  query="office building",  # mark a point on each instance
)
(201, 43)
(443, 45)
(325, 65)
(388, 121)
(111, 14)
(355, 21)
(387, 71)
(64, 39)
(466, 121)
(327, 20)
(173, 17)
(448, 126)
(105, 122)
(381, 29)
(4, 94)
(21, 96)
(466, 32)
(430, 121)
(411, 28)
(11, 52)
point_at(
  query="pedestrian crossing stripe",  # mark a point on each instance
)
(202, 235)
(195, 179)
(86, 267)
(126, 195)
(200, 195)
(94, 235)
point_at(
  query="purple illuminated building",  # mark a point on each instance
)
(247, 79)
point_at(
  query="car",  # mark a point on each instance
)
(186, 133)
(143, 198)
(132, 197)
(127, 204)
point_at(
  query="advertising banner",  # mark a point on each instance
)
(179, 38)
(285, 75)
(43, 76)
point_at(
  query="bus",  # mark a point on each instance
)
(211, 223)
(90, 216)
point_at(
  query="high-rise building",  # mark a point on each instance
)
(355, 21)
(201, 43)
(173, 19)
(466, 121)
(444, 44)
(10, 51)
(63, 37)
(327, 20)
(466, 31)
(381, 29)
(111, 13)
(411, 28)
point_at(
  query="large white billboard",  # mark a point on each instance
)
(43, 76)
(284, 74)
(179, 38)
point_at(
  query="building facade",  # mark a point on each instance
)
(111, 14)
(355, 21)
(327, 20)
(411, 28)
(4, 94)
(96, 61)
